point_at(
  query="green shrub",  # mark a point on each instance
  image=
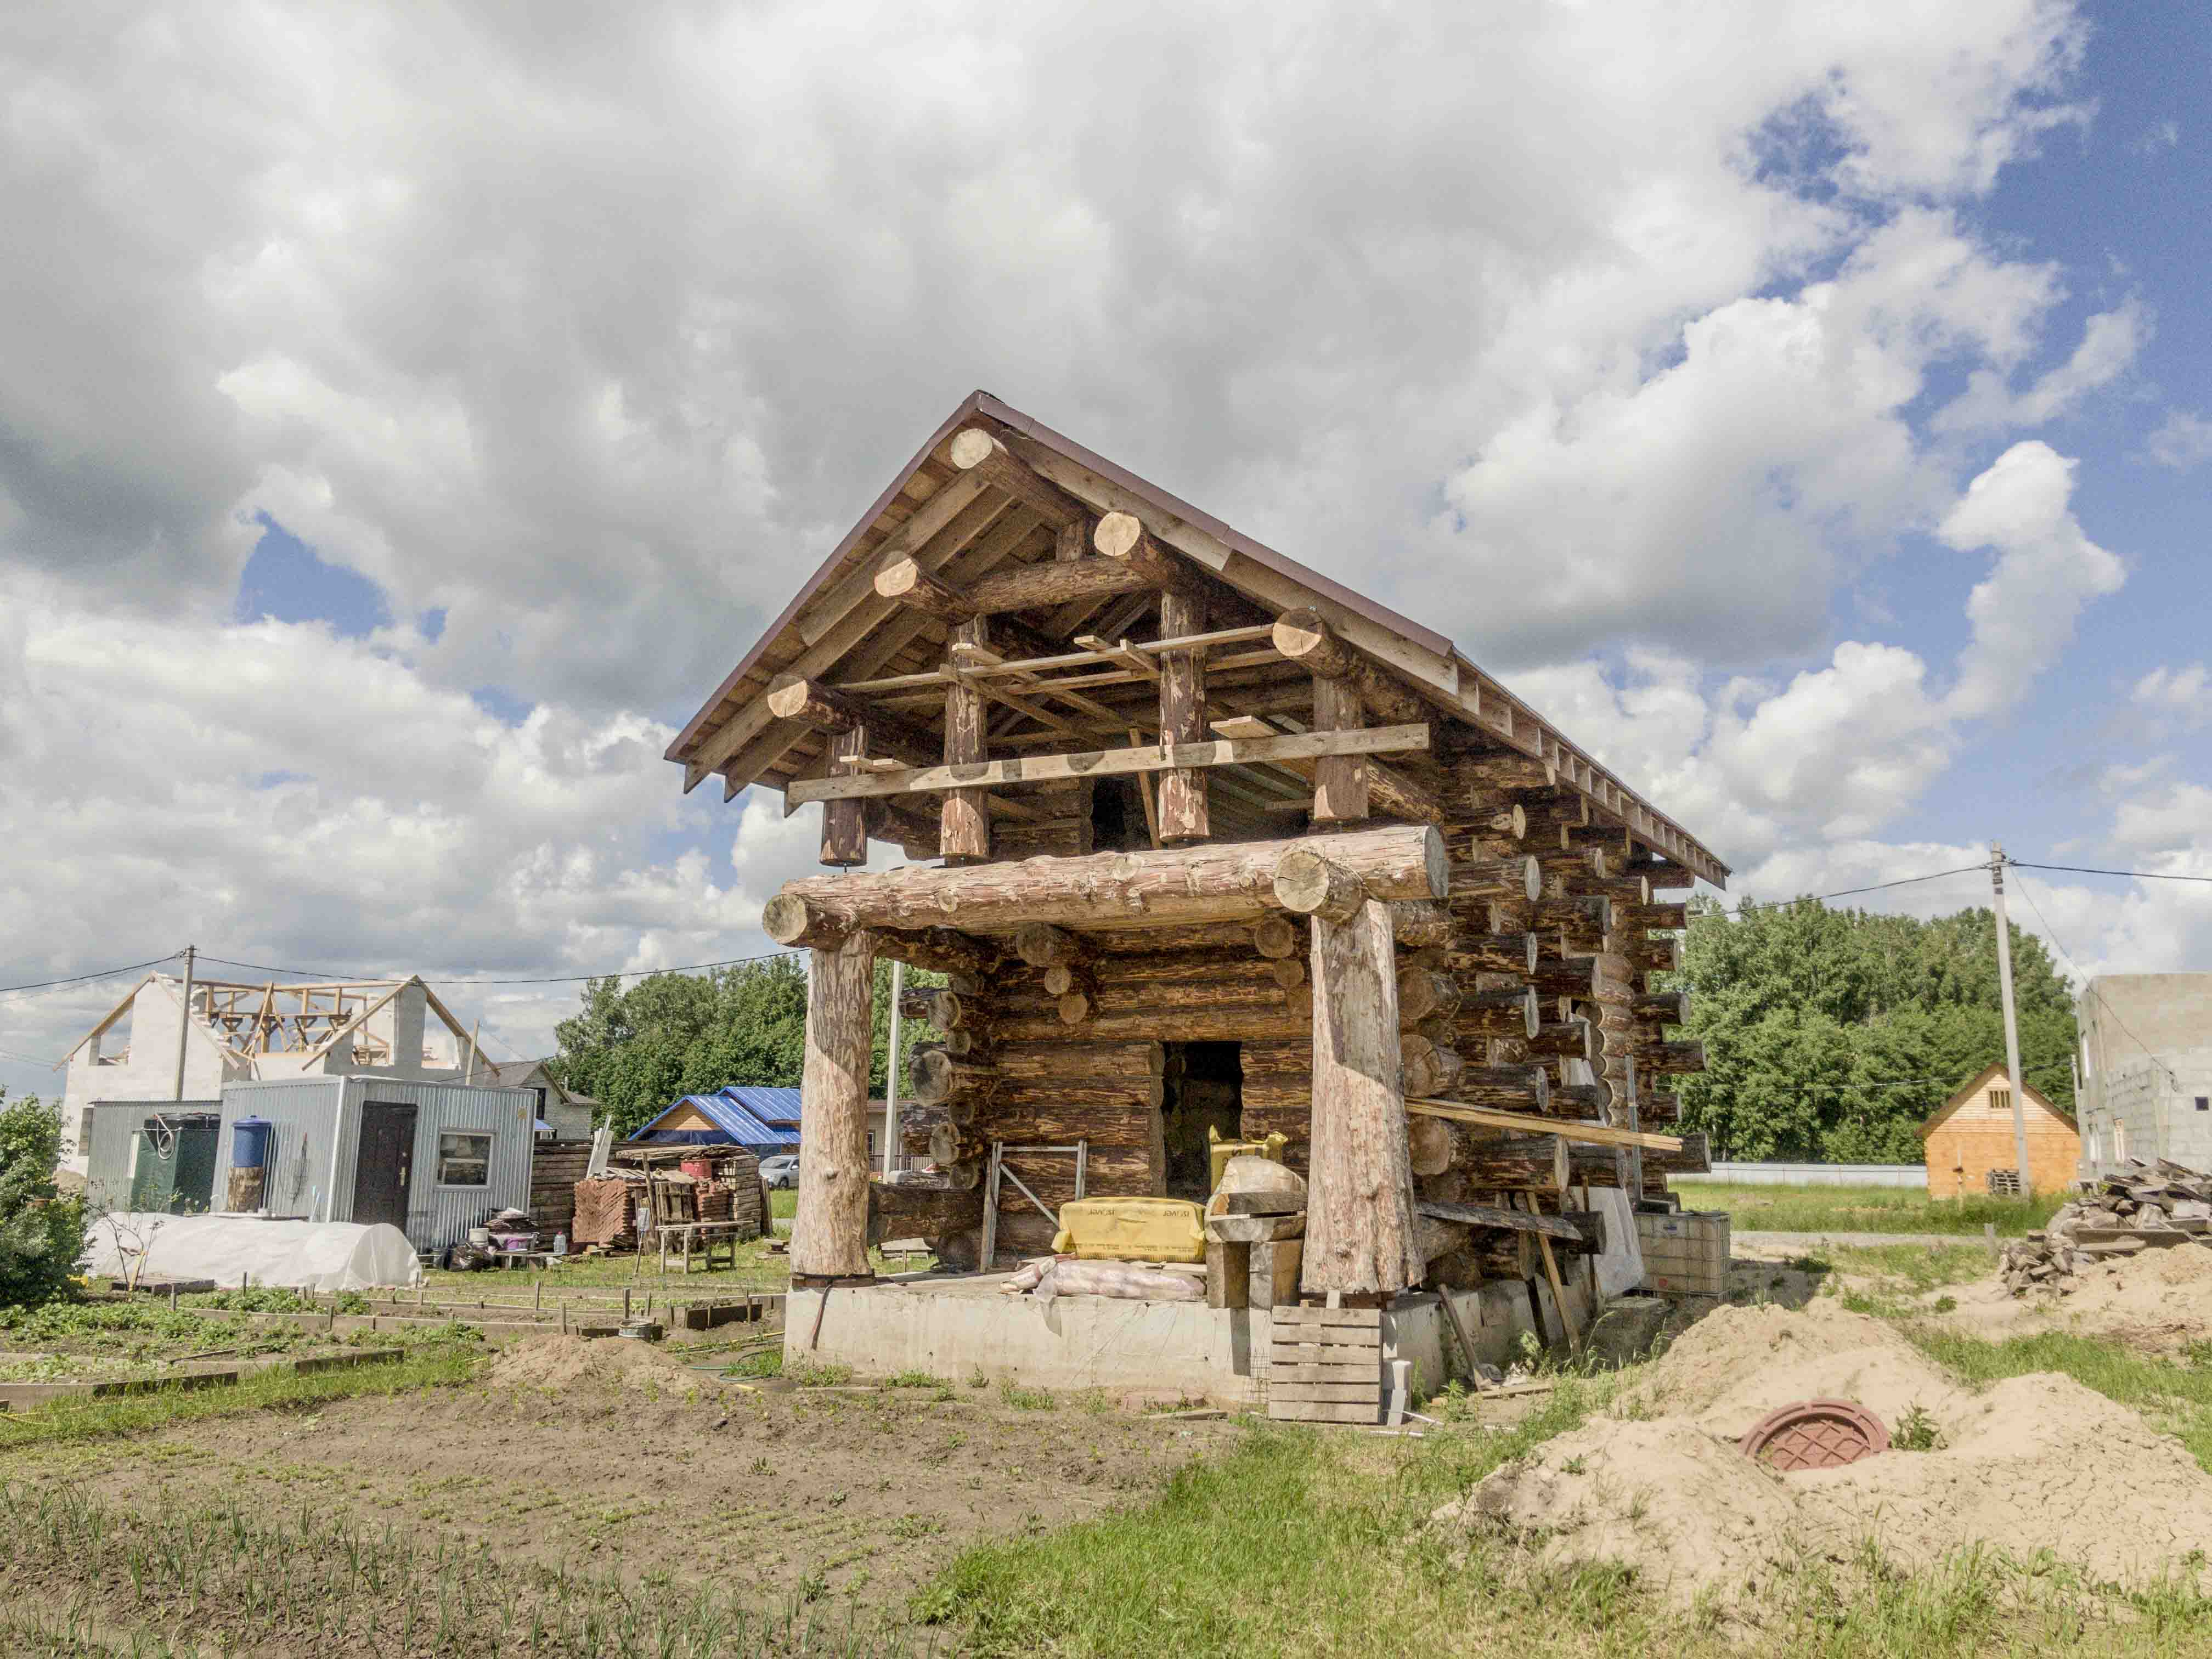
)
(41, 1231)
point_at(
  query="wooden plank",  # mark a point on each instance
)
(1281, 1371)
(1367, 1392)
(1109, 763)
(1485, 1215)
(1592, 1134)
(1357, 1318)
(1289, 1346)
(1314, 1411)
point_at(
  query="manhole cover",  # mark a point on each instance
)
(1816, 1434)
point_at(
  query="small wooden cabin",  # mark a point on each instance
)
(1972, 1134)
(1205, 841)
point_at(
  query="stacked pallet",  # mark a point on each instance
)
(1325, 1365)
(606, 1212)
(2154, 1205)
(556, 1167)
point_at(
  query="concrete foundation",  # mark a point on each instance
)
(955, 1327)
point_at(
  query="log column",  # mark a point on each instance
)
(1360, 1233)
(830, 1232)
(844, 823)
(1183, 718)
(965, 822)
(1339, 780)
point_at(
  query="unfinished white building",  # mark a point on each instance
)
(149, 1047)
(2145, 1087)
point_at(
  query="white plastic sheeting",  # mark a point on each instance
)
(307, 1255)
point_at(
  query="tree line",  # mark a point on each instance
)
(1832, 1035)
(638, 1050)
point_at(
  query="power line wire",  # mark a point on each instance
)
(82, 979)
(1846, 892)
(2088, 984)
(2089, 870)
(555, 979)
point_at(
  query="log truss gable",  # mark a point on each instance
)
(1032, 579)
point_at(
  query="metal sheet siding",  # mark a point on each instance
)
(438, 1216)
(302, 1113)
(107, 1155)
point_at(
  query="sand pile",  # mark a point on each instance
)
(569, 1362)
(2159, 1299)
(2037, 1462)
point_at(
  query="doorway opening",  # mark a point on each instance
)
(384, 1169)
(1202, 1089)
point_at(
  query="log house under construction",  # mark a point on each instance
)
(1202, 838)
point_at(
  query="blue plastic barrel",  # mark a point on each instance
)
(249, 1143)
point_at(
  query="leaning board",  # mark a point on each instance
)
(1325, 1365)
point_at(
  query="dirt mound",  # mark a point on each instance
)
(2037, 1462)
(2159, 1299)
(570, 1362)
(1737, 1365)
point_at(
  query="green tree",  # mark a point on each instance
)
(41, 1231)
(1832, 1035)
(637, 1050)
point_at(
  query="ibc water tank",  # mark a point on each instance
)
(249, 1143)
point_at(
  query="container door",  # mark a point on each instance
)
(384, 1169)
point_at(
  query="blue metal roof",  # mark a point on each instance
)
(727, 1109)
(779, 1107)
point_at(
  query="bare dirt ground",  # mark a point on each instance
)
(615, 1456)
(1657, 1481)
(2159, 1302)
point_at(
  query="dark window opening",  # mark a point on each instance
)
(1202, 1101)
(2204, 1103)
(1117, 816)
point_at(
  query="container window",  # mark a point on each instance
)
(2204, 1103)
(463, 1160)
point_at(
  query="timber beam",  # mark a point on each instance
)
(1234, 882)
(1109, 762)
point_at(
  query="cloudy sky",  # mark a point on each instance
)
(407, 416)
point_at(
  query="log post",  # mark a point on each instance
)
(964, 821)
(1040, 944)
(1339, 780)
(1360, 1237)
(1182, 808)
(830, 1232)
(844, 823)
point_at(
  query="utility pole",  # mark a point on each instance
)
(185, 1026)
(891, 1071)
(2011, 1019)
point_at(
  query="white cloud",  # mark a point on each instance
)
(2109, 343)
(2181, 441)
(2185, 691)
(2162, 136)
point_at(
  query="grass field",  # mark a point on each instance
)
(1861, 1209)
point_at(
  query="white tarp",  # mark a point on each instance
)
(308, 1255)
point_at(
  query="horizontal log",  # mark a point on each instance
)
(1423, 992)
(1591, 1100)
(1303, 636)
(1244, 1022)
(1040, 944)
(1622, 889)
(1104, 1117)
(1655, 918)
(1565, 1039)
(1519, 1221)
(1482, 773)
(1693, 1159)
(1209, 881)
(1518, 876)
(1022, 1063)
(935, 1006)
(1496, 1160)
(1661, 1007)
(1667, 1058)
(1420, 923)
(920, 1207)
(1428, 1145)
(1425, 1067)
(1593, 1134)
(937, 949)
(1111, 762)
(936, 1075)
(1471, 952)
(1503, 1088)
(1657, 954)
(1486, 1014)
(1658, 1107)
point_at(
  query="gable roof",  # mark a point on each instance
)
(840, 630)
(728, 1113)
(1975, 1085)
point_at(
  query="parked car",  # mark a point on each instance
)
(781, 1171)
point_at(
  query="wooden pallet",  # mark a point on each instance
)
(1325, 1365)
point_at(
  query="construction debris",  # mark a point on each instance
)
(2153, 1205)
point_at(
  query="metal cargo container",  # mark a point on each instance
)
(438, 1156)
(113, 1149)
